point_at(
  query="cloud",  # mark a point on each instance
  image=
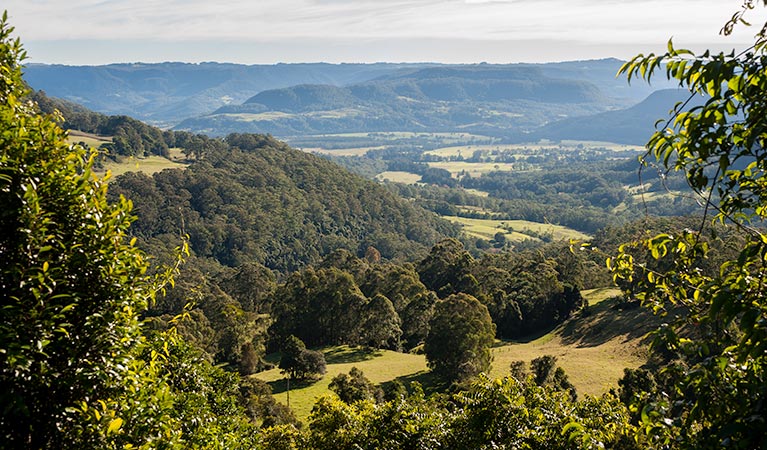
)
(561, 22)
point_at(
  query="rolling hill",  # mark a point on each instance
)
(166, 93)
(489, 99)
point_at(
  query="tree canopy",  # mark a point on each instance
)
(460, 336)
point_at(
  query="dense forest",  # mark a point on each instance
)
(135, 312)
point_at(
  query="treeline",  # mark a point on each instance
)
(239, 314)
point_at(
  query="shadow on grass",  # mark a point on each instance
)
(281, 385)
(607, 320)
(345, 355)
(428, 381)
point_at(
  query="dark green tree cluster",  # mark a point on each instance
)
(525, 292)
(327, 305)
(354, 387)
(461, 334)
(300, 363)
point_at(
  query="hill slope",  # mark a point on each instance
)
(632, 125)
(258, 200)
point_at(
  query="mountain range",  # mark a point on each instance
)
(512, 101)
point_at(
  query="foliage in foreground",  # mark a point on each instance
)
(713, 389)
(76, 367)
(505, 414)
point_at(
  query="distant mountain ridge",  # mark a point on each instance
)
(166, 93)
(483, 98)
(506, 100)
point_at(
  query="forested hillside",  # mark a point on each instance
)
(257, 200)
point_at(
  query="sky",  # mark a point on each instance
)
(93, 32)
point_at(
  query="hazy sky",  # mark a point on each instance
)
(270, 31)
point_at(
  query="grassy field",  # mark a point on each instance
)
(399, 177)
(474, 169)
(593, 348)
(360, 151)
(148, 165)
(487, 228)
(91, 140)
(467, 150)
(379, 367)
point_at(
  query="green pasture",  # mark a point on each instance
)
(379, 366)
(359, 151)
(399, 177)
(457, 168)
(601, 144)
(467, 150)
(487, 228)
(91, 140)
(148, 165)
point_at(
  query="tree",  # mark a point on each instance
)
(300, 363)
(72, 287)
(355, 387)
(715, 380)
(459, 340)
(381, 324)
(546, 373)
(443, 271)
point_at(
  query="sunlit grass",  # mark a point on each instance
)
(487, 228)
(399, 177)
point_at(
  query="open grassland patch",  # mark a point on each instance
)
(601, 144)
(148, 165)
(515, 230)
(525, 149)
(399, 177)
(91, 140)
(477, 192)
(457, 168)
(359, 151)
(593, 347)
(379, 366)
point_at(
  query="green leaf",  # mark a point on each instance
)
(114, 425)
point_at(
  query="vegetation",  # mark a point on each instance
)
(101, 350)
(299, 363)
(711, 390)
(460, 336)
(78, 368)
